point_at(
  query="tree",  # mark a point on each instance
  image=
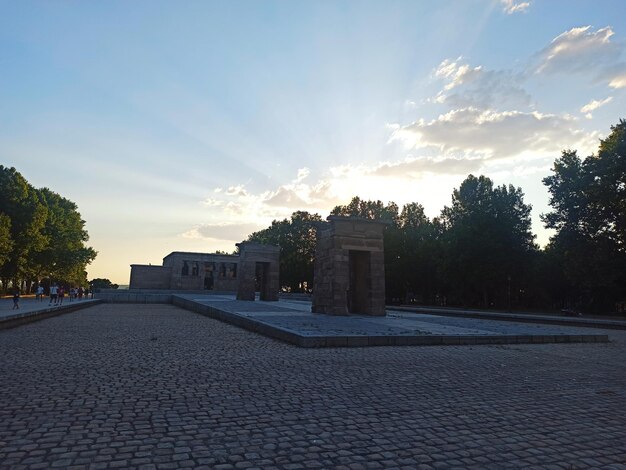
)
(607, 189)
(20, 203)
(420, 254)
(41, 234)
(296, 237)
(65, 254)
(102, 283)
(6, 243)
(588, 198)
(487, 240)
(374, 210)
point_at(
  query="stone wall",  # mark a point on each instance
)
(188, 271)
(149, 277)
(202, 271)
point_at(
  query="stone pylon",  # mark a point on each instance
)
(258, 262)
(349, 274)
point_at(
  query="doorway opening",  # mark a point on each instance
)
(262, 280)
(209, 269)
(359, 288)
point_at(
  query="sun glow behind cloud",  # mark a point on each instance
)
(491, 126)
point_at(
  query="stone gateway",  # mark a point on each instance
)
(349, 267)
(258, 264)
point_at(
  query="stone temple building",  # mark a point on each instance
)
(256, 268)
(183, 270)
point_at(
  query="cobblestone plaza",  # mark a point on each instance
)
(155, 386)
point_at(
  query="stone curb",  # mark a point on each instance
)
(36, 315)
(516, 317)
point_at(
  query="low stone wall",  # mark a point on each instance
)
(145, 296)
(142, 275)
(21, 318)
(125, 297)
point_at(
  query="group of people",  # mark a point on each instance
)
(58, 293)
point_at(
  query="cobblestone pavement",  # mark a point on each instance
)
(154, 386)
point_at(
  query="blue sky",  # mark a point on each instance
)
(188, 125)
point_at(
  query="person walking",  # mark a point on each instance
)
(39, 294)
(61, 295)
(16, 299)
(54, 292)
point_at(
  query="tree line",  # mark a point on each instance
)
(481, 252)
(42, 236)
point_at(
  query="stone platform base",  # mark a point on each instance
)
(292, 322)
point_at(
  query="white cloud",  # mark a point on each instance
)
(582, 50)
(513, 6)
(227, 232)
(298, 195)
(302, 174)
(492, 116)
(593, 105)
(473, 132)
(586, 52)
(467, 86)
(456, 73)
(618, 80)
(417, 167)
(234, 208)
(212, 202)
(579, 50)
(284, 196)
(238, 190)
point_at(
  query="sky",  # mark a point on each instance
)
(186, 126)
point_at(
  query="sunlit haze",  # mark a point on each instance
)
(185, 126)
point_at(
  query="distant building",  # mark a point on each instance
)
(188, 271)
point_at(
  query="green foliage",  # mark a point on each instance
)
(588, 198)
(487, 240)
(66, 255)
(19, 202)
(102, 283)
(374, 210)
(296, 238)
(41, 234)
(420, 255)
(6, 243)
